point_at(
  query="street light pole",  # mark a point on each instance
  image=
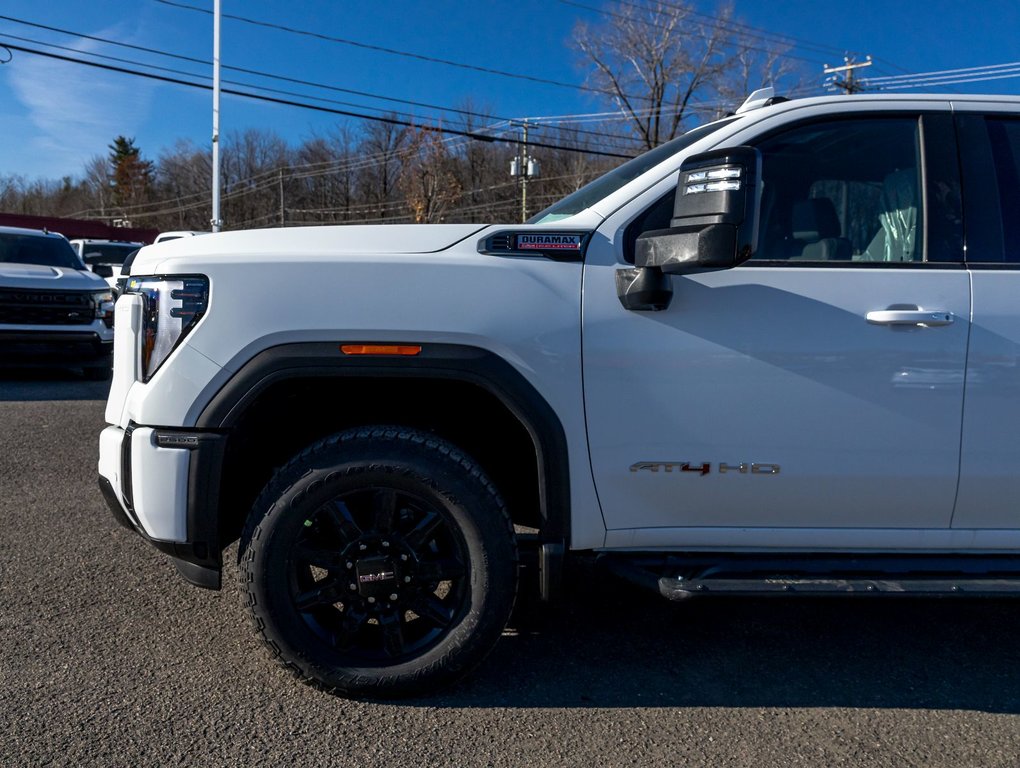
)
(217, 222)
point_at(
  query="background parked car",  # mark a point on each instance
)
(53, 311)
(164, 236)
(105, 257)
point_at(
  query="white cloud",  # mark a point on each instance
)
(76, 111)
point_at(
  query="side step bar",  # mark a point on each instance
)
(679, 588)
(681, 577)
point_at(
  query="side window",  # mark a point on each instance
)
(1005, 140)
(843, 191)
(990, 158)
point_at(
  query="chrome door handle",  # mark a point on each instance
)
(924, 318)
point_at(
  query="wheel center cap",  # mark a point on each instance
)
(376, 576)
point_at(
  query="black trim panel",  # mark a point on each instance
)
(106, 487)
(506, 243)
(830, 265)
(436, 361)
(198, 559)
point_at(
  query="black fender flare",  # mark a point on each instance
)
(455, 362)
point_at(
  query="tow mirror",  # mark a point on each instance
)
(715, 217)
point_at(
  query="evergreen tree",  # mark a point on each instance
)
(131, 176)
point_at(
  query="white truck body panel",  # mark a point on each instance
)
(864, 421)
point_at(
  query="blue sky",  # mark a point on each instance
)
(58, 115)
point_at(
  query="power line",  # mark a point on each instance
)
(775, 37)
(206, 62)
(383, 49)
(201, 76)
(948, 81)
(946, 77)
(989, 68)
(648, 23)
(257, 73)
(475, 135)
(739, 28)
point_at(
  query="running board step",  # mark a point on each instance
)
(680, 588)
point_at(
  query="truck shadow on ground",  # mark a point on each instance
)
(36, 384)
(608, 645)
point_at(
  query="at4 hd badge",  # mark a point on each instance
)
(548, 242)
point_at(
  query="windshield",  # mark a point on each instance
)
(37, 249)
(604, 186)
(107, 253)
(126, 267)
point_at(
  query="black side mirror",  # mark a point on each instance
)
(103, 270)
(715, 217)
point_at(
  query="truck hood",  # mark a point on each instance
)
(49, 278)
(261, 244)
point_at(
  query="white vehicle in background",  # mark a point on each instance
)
(162, 237)
(105, 257)
(736, 364)
(54, 313)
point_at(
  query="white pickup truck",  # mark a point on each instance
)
(780, 353)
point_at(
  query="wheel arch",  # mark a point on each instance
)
(433, 384)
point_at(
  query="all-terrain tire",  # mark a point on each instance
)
(379, 562)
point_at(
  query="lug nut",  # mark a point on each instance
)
(353, 587)
(371, 599)
(393, 596)
(363, 547)
(404, 558)
(349, 566)
(407, 579)
(385, 543)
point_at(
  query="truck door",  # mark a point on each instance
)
(803, 389)
(989, 495)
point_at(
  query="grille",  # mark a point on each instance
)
(28, 307)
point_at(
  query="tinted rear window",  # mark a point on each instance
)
(107, 253)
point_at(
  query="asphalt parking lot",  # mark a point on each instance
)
(108, 658)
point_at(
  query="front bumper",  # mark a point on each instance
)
(164, 484)
(56, 348)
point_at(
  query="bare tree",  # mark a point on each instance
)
(661, 64)
(98, 182)
(323, 188)
(382, 149)
(252, 160)
(428, 177)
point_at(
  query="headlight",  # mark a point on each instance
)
(171, 307)
(103, 302)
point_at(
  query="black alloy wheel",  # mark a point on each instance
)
(379, 562)
(379, 573)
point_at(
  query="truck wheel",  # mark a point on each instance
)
(379, 562)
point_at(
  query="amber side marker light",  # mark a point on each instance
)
(407, 350)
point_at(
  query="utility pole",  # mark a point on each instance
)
(847, 84)
(524, 167)
(283, 213)
(216, 222)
